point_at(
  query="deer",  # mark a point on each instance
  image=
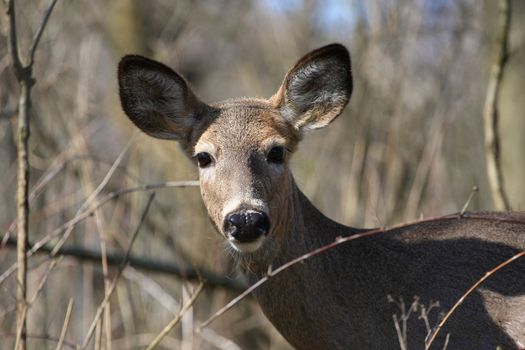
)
(341, 299)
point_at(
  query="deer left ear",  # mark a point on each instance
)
(158, 100)
(316, 90)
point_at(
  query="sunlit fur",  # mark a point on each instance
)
(241, 176)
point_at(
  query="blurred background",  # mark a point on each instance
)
(409, 144)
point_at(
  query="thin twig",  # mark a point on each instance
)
(491, 113)
(86, 171)
(43, 281)
(469, 199)
(177, 318)
(111, 289)
(67, 318)
(89, 201)
(13, 40)
(33, 195)
(67, 228)
(30, 302)
(84, 215)
(467, 293)
(40, 31)
(59, 164)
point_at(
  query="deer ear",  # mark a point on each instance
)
(158, 100)
(315, 91)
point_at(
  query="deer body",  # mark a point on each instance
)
(341, 299)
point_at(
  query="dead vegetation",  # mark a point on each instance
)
(411, 143)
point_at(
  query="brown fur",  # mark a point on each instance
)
(338, 300)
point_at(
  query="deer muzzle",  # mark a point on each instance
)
(246, 226)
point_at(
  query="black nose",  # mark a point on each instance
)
(246, 225)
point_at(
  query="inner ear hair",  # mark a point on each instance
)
(316, 89)
(157, 99)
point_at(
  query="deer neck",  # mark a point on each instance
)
(301, 229)
(305, 284)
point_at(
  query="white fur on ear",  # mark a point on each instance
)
(316, 90)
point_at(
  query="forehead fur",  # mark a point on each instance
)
(251, 123)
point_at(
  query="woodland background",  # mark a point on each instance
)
(410, 144)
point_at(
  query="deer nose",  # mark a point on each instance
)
(246, 225)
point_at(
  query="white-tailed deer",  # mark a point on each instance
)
(341, 299)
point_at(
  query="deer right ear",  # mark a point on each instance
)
(157, 100)
(316, 90)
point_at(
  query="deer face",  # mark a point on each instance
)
(243, 165)
(242, 147)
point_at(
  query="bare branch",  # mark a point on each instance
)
(24, 76)
(25, 79)
(491, 117)
(40, 31)
(13, 40)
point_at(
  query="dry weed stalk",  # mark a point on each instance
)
(113, 285)
(491, 116)
(177, 318)
(65, 325)
(23, 67)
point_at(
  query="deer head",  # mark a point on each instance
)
(241, 146)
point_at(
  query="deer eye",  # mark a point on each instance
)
(276, 155)
(203, 159)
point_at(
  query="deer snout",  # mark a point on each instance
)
(246, 226)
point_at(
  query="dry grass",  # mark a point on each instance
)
(410, 143)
